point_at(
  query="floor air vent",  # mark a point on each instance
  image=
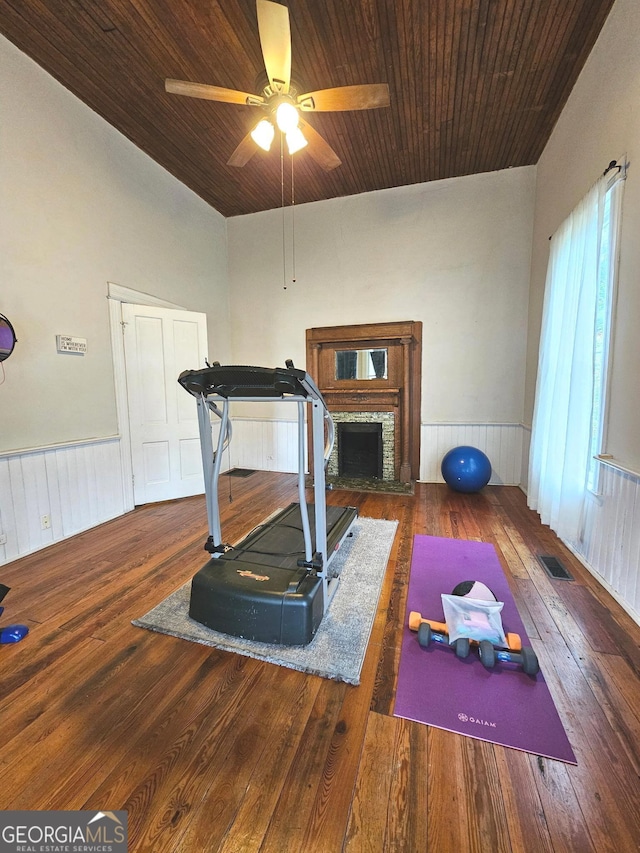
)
(554, 568)
(241, 472)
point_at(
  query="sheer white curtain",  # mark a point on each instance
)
(560, 438)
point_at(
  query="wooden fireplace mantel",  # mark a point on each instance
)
(372, 400)
(399, 392)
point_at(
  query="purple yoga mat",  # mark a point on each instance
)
(502, 705)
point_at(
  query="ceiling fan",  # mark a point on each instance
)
(280, 100)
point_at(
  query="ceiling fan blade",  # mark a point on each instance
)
(318, 148)
(275, 40)
(243, 153)
(211, 93)
(366, 97)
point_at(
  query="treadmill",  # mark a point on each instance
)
(276, 584)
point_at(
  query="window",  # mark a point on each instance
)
(571, 392)
(605, 302)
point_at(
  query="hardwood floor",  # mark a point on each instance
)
(209, 751)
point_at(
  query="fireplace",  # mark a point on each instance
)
(372, 372)
(364, 445)
(360, 450)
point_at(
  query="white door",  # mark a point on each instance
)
(159, 344)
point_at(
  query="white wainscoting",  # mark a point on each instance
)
(610, 546)
(77, 486)
(264, 445)
(502, 443)
(526, 447)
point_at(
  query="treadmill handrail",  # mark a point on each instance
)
(331, 435)
(292, 399)
(229, 429)
(244, 383)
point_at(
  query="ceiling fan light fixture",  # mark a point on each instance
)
(286, 117)
(280, 97)
(295, 140)
(263, 134)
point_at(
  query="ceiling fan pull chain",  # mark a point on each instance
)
(293, 228)
(284, 251)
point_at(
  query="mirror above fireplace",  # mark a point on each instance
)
(361, 364)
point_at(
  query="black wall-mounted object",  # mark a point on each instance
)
(7, 338)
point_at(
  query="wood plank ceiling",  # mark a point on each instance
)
(476, 85)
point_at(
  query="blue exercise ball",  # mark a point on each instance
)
(466, 469)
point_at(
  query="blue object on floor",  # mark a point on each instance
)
(13, 634)
(466, 469)
(10, 633)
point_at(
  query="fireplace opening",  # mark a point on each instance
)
(360, 450)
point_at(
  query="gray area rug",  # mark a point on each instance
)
(338, 648)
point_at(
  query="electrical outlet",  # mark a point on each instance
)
(3, 538)
(45, 522)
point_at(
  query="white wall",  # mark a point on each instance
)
(601, 122)
(80, 206)
(454, 254)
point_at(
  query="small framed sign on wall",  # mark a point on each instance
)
(67, 344)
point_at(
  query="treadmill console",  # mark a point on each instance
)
(230, 381)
